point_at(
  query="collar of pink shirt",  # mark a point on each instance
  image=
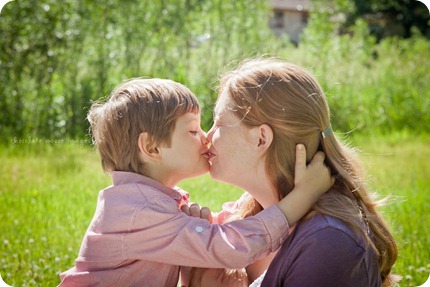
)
(124, 177)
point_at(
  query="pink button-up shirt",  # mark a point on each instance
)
(140, 237)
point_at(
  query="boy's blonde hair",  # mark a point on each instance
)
(136, 106)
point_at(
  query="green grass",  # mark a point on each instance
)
(398, 166)
(48, 195)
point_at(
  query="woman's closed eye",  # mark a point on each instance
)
(193, 132)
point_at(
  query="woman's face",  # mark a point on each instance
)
(232, 156)
(238, 153)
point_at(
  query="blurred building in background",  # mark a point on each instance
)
(289, 17)
(384, 18)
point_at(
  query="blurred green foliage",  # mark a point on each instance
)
(392, 17)
(55, 57)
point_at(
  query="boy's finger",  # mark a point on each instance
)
(300, 158)
(206, 214)
(195, 210)
(185, 209)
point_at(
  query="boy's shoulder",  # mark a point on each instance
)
(133, 202)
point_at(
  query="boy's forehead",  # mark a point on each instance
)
(190, 117)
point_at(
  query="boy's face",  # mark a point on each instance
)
(187, 155)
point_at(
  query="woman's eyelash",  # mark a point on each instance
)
(193, 132)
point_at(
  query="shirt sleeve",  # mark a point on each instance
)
(164, 234)
(329, 257)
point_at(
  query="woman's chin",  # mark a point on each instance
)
(215, 174)
(221, 176)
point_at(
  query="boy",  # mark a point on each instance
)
(149, 138)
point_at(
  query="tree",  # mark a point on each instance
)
(392, 17)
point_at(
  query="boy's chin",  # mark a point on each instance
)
(200, 172)
(204, 170)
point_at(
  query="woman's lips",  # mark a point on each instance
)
(209, 154)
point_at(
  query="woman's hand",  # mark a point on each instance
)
(195, 210)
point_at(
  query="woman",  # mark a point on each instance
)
(265, 107)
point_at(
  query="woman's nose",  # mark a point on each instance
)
(210, 134)
(203, 138)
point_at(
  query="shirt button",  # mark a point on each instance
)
(198, 229)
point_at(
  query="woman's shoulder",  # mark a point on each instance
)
(324, 247)
(327, 227)
(322, 221)
(322, 236)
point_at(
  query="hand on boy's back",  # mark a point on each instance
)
(196, 210)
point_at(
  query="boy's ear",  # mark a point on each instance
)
(263, 137)
(147, 148)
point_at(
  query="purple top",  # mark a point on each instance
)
(324, 252)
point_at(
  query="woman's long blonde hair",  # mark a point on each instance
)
(289, 100)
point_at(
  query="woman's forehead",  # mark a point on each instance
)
(222, 103)
(219, 110)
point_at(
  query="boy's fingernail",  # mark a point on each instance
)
(299, 147)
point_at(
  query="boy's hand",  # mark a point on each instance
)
(311, 181)
(315, 177)
(195, 210)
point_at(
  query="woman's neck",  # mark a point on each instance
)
(262, 190)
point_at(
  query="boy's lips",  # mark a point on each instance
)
(208, 154)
